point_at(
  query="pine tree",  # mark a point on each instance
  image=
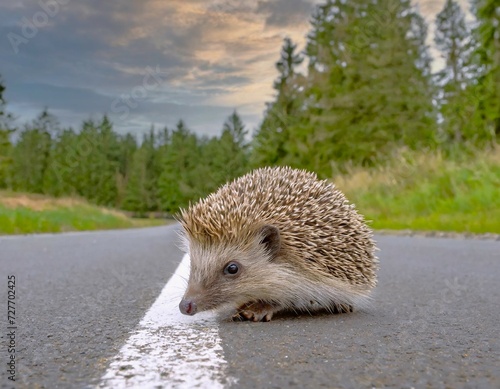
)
(270, 140)
(109, 171)
(60, 178)
(96, 173)
(128, 147)
(176, 185)
(233, 147)
(78, 161)
(313, 140)
(30, 156)
(5, 139)
(453, 39)
(142, 186)
(223, 158)
(368, 87)
(5, 155)
(137, 197)
(487, 93)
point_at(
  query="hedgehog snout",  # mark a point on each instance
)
(188, 307)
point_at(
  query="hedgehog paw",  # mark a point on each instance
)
(256, 311)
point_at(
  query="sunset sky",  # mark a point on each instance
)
(151, 61)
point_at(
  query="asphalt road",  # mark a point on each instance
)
(434, 322)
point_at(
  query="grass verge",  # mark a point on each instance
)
(30, 213)
(429, 192)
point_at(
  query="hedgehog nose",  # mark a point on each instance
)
(187, 307)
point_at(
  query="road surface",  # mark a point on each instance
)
(81, 297)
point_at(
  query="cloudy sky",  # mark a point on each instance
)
(150, 61)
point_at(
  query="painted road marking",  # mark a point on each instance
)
(168, 349)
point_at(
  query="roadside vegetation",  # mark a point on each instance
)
(429, 192)
(31, 213)
(412, 148)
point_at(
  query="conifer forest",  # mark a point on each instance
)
(360, 91)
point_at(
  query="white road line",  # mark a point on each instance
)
(168, 349)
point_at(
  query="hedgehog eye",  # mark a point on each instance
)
(232, 268)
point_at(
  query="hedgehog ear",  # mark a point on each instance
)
(270, 238)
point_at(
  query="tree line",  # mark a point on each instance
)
(368, 91)
(163, 172)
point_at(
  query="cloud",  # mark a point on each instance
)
(430, 8)
(284, 13)
(74, 105)
(79, 100)
(213, 55)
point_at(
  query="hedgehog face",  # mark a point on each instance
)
(230, 275)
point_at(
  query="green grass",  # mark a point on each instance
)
(429, 192)
(416, 191)
(23, 214)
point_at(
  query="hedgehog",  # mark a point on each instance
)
(274, 240)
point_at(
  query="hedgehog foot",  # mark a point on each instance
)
(256, 311)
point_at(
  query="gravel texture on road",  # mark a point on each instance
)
(78, 296)
(434, 321)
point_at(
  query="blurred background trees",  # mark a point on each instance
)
(361, 91)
